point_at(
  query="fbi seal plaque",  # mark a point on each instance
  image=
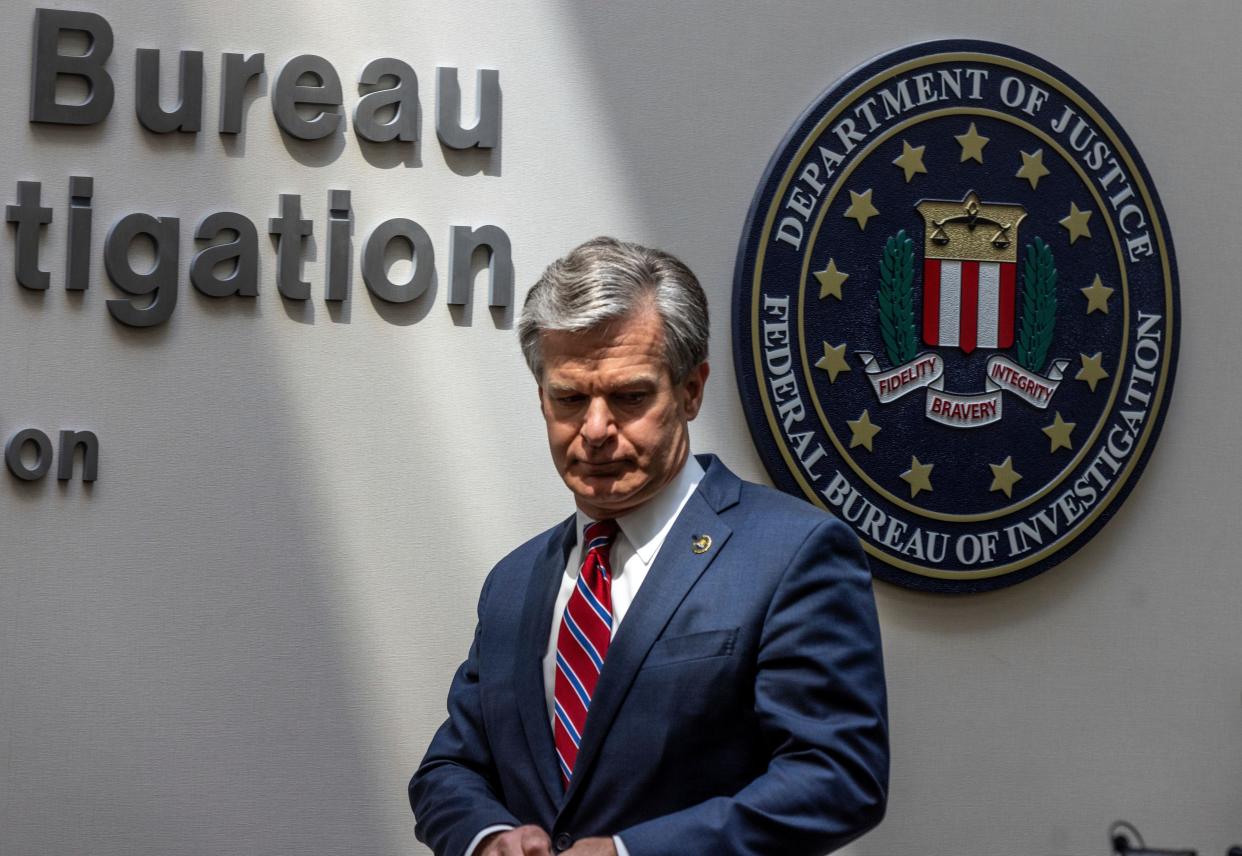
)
(956, 313)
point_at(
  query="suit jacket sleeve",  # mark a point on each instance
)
(454, 791)
(820, 702)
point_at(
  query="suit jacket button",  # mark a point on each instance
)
(563, 842)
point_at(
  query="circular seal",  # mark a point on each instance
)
(956, 313)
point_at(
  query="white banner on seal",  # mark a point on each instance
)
(923, 370)
(962, 410)
(1032, 388)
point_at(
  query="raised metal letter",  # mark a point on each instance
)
(236, 72)
(464, 242)
(422, 255)
(30, 218)
(486, 131)
(339, 215)
(289, 93)
(78, 254)
(13, 454)
(188, 114)
(160, 282)
(48, 64)
(242, 250)
(291, 232)
(69, 443)
(404, 124)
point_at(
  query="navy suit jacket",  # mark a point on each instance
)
(741, 708)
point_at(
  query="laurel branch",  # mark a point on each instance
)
(1039, 306)
(895, 298)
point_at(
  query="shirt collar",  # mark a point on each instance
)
(646, 526)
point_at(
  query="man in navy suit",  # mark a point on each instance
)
(690, 664)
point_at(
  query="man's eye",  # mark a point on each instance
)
(632, 397)
(570, 398)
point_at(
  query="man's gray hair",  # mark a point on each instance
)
(604, 280)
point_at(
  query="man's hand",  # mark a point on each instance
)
(527, 840)
(592, 847)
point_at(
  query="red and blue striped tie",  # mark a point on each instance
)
(582, 643)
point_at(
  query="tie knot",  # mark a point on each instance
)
(598, 535)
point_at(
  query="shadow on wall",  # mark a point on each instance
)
(183, 685)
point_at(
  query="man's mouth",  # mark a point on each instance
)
(600, 468)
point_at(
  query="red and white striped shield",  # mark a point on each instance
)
(968, 304)
(970, 254)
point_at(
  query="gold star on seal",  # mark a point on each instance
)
(911, 160)
(1076, 223)
(1033, 168)
(1097, 295)
(862, 431)
(1059, 433)
(1092, 370)
(1004, 477)
(833, 361)
(972, 143)
(918, 477)
(831, 280)
(861, 208)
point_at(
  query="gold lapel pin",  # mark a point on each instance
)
(701, 543)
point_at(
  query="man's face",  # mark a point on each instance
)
(617, 424)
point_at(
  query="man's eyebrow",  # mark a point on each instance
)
(642, 381)
(638, 380)
(559, 388)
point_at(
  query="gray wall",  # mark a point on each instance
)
(239, 640)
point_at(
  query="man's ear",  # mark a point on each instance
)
(692, 389)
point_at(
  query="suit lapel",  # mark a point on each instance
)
(545, 581)
(677, 567)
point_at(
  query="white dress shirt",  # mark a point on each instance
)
(640, 536)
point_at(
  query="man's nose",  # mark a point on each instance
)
(597, 425)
